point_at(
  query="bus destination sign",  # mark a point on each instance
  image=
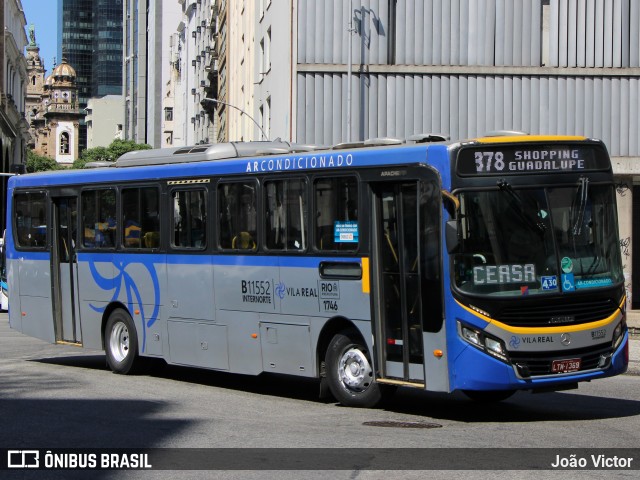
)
(524, 159)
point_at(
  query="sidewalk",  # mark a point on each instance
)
(633, 320)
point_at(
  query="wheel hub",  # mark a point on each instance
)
(354, 370)
(119, 341)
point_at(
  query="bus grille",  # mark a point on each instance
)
(556, 313)
(540, 363)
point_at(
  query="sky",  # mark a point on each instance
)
(43, 14)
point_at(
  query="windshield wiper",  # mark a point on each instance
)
(535, 224)
(581, 197)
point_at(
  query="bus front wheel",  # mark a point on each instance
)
(349, 372)
(121, 342)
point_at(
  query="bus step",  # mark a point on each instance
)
(400, 383)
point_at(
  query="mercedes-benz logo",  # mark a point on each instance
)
(565, 339)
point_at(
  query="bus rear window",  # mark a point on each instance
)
(30, 220)
(336, 214)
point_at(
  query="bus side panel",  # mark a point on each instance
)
(245, 290)
(436, 368)
(35, 307)
(247, 286)
(194, 336)
(135, 280)
(303, 292)
(198, 344)
(190, 292)
(286, 347)
(96, 287)
(15, 319)
(245, 353)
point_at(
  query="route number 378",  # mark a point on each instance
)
(489, 161)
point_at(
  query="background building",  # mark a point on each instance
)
(14, 130)
(90, 35)
(62, 115)
(148, 28)
(104, 120)
(35, 101)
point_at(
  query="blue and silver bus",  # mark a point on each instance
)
(486, 266)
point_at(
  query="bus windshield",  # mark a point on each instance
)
(537, 241)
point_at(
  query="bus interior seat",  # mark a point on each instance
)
(243, 241)
(152, 239)
(132, 233)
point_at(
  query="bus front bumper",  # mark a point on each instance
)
(474, 369)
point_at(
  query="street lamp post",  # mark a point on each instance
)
(215, 100)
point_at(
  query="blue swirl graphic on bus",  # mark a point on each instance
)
(514, 342)
(124, 279)
(280, 290)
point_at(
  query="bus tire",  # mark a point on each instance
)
(121, 342)
(349, 372)
(488, 396)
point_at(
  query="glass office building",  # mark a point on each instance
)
(90, 38)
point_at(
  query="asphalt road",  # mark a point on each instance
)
(65, 397)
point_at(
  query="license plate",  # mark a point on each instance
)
(566, 366)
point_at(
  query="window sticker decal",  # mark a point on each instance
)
(345, 232)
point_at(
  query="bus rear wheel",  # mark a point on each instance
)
(349, 372)
(121, 342)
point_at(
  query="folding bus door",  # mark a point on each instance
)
(407, 285)
(64, 270)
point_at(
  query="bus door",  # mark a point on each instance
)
(66, 311)
(398, 280)
(406, 278)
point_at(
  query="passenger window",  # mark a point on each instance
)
(286, 211)
(336, 202)
(189, 219)
(30, 219)
(99, 219)
(237, 216)
(140, 218)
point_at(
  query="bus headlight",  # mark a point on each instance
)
(487, 343)
(618, 333)
(472, 336)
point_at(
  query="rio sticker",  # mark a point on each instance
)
(566, 264)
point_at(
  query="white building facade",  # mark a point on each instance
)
(147, 32)
(104, 120)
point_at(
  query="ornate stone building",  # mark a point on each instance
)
(34, 110)
(52, 107)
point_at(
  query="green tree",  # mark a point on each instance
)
(120, 147)
(40, 163)
(108, 154)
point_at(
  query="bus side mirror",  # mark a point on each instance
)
(451, 236)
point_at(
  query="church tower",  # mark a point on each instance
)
(62, 114)
(34, 108)
(52, 107)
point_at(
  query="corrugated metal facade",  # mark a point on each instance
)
(464, 106)
(487, 72)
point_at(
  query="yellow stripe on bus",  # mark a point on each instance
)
(366, 288)
(530, 138)
(542, 330)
